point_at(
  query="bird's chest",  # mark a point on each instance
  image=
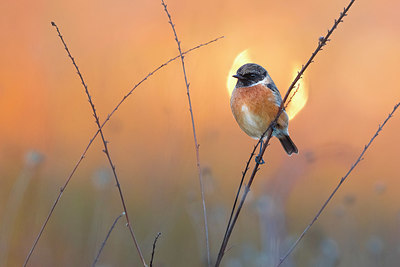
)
(254, 108)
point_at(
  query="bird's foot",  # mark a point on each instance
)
(259, 160)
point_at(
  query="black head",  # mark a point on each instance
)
(249, 74)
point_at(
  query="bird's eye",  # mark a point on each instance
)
(252, 75)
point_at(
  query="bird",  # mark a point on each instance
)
(255, 102)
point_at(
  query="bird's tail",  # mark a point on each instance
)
(288, 144)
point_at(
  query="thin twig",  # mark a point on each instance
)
(240, 188)
(154, 249)
(291, 97)
(194, 131)
(359, 159)
(105, 143)
(62, 189)
(321, 43)
(105, 240)
(235, 217)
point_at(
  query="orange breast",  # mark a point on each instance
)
(254, 108)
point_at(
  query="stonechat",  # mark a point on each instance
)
(255, 102)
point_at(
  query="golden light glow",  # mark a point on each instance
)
(240, 60)
(299, 100)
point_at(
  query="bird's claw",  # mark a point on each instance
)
(259, 160)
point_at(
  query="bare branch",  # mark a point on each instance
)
(154, 249)
(194, 132)
(291, 97)
(105, 240)
(359, 159)
(240, 189)
(106, 151)
(268, 133)
(62, 189)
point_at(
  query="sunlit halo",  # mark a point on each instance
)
(300, 98)
(240, 60)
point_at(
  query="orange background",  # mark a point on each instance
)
(46, 123)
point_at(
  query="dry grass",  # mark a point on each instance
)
(237, 206)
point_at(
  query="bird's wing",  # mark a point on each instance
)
(276, 92)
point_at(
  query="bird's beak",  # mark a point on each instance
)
(237, 76)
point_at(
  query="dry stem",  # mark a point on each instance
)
(62, 189)
(105, 143)
(359, 159)
(321, 43)
(194, 132)
(240, 188)
(105, 240)
(154, 249)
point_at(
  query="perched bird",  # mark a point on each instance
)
(255, 102)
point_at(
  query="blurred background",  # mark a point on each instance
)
(46, 123)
